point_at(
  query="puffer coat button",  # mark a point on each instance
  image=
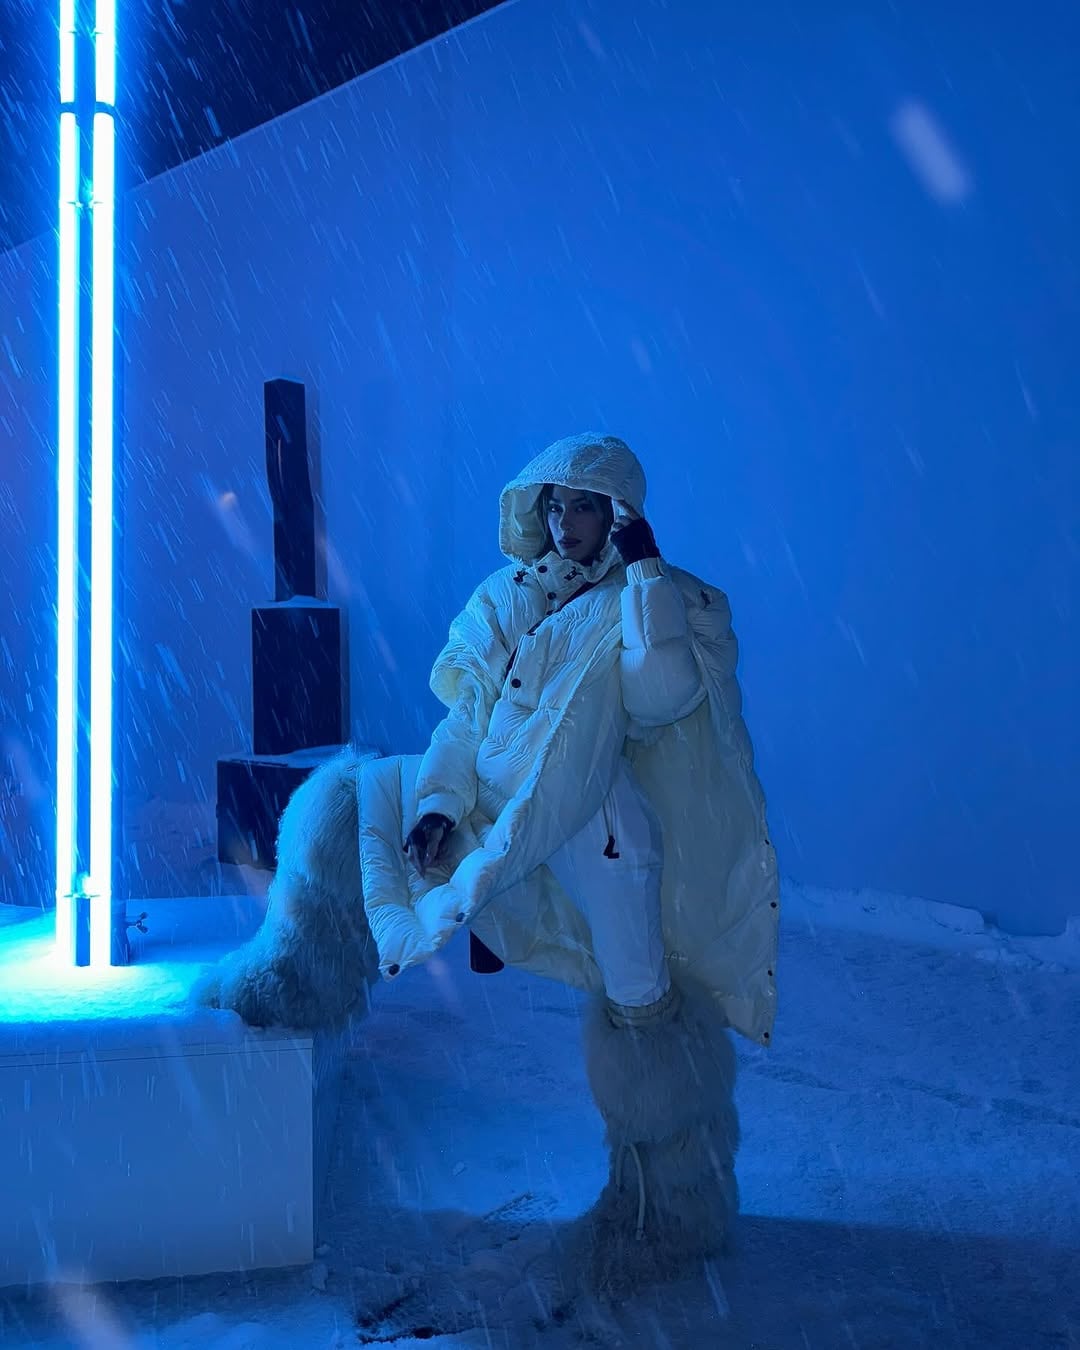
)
(515, 684)
(542, 568)
(551, 595)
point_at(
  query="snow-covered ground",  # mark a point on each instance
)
(909, 1167)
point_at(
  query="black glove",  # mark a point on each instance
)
(427, 839)
(635, 541)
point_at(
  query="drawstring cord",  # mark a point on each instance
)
(633, 1150)
(610, 851)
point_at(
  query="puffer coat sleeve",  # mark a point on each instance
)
(661, 677)
(466, 678)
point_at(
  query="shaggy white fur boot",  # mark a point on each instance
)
(663, 1078)
(312, 961)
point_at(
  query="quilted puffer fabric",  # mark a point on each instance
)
(545, 687)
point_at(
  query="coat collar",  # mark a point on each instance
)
(560, 578)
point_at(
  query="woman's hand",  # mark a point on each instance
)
(427, 840)
(631, 533)
(624, 514)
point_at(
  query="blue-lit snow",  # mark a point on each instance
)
(911, 1148)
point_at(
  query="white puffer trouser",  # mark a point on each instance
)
(612, 871)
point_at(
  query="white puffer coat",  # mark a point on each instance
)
(643, 664)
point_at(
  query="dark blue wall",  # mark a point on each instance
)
(823, 271)
(818, 264)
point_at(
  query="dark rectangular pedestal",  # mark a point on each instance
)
(296, 676)
(252, 792)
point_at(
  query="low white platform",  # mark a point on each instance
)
(141, 1137)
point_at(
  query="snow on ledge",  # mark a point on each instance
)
(50, 1008)
(930, 923)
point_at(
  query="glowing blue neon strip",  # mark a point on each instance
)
(67, 51)
(67, 533)
(91, 782)
(105, 52)
(99, 883)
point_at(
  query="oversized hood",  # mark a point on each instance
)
(589, 463)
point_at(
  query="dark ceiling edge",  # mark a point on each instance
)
(449, 35)
(132, 193)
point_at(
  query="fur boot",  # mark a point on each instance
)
(663, 1078)
(310, 964)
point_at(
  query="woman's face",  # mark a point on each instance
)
(578, 527)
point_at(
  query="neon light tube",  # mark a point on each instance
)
(67, 534)
(67, 51)
(99, 884)
(105, 52)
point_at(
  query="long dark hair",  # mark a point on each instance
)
(543, 505)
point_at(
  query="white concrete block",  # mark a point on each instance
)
(150, 1138)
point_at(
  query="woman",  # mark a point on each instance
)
(588, 809)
